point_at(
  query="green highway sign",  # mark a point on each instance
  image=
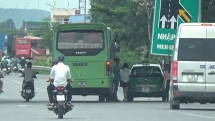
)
(168, 15)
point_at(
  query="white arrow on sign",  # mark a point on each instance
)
(172, 20)
(163, 20)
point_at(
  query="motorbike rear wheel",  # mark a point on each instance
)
(60, 111)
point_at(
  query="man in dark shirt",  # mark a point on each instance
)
(23, 62)
(28, 75)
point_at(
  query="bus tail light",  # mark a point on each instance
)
(108, 68)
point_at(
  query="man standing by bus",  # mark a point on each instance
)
(116, 79)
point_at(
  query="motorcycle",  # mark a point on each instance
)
(27, 89)
(15, 69)
(21, 69)
(61, 105)
(5, 72)
(9, 70)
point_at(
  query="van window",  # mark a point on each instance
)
(196, 49)
(146, 71)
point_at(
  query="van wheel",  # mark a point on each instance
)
(174, 106)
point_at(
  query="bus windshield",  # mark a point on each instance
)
(80, 40)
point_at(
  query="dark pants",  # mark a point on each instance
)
(4, 67)
(167, 89)
(50, 89)
(116, 85)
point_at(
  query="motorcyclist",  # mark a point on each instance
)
(22, 62)
(4, 64)
(1, 82)
(8, 62)
(55, 62)
(28, 75)
(61, 75)
(15, 62)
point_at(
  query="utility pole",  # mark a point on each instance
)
(38, 10)
(26, 18)
(85, 7)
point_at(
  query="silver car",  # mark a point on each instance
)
(193, 65)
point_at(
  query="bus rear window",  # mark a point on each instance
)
(80, 40)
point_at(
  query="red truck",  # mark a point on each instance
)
(29, 46)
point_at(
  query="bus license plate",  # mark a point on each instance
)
(145, 89)
(28, 90)
(81, 84)
(60, 98)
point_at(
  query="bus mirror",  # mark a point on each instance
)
(117, 46)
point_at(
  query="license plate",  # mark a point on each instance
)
(60, 98)
(81, 84)
(28, 90)
(192, 78)
(145, 89)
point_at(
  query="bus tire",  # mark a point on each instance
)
(130, 97)
(108, 97)
(101, 98)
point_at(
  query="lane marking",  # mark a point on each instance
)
(196, 115)
(34, 87)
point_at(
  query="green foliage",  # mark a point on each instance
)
(129, 22)
(46, 32)
(8, 24)
(208, 10)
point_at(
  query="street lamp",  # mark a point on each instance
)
(50, 5)
(51, 11)
(68, 12)
(26, 17)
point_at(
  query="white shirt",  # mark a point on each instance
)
(60, 73)
(125, 73)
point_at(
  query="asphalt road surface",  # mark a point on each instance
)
(14, 108)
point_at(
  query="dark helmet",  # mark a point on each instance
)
(55, 61)
(61, 57)
(29, 65)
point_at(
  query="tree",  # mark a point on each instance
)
(129, 20)
(46, 32)
(7, 25)
(208, 10)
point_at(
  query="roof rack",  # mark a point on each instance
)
(145, 62)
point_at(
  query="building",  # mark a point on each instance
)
(62, 15)
(79, 18)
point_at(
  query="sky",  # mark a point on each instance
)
(41, 4)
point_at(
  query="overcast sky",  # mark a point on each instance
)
(41, 4)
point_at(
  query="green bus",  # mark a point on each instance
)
(90, 50)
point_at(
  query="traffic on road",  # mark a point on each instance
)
(88, 108)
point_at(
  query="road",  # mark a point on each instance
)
(14, 108)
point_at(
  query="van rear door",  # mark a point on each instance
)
(191, 59)
(210, 62)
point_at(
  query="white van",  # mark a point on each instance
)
(193, 65)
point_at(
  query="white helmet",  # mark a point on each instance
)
(22, 57)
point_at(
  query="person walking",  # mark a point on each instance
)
(167, 82)
(125, 80)
(117, 78)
